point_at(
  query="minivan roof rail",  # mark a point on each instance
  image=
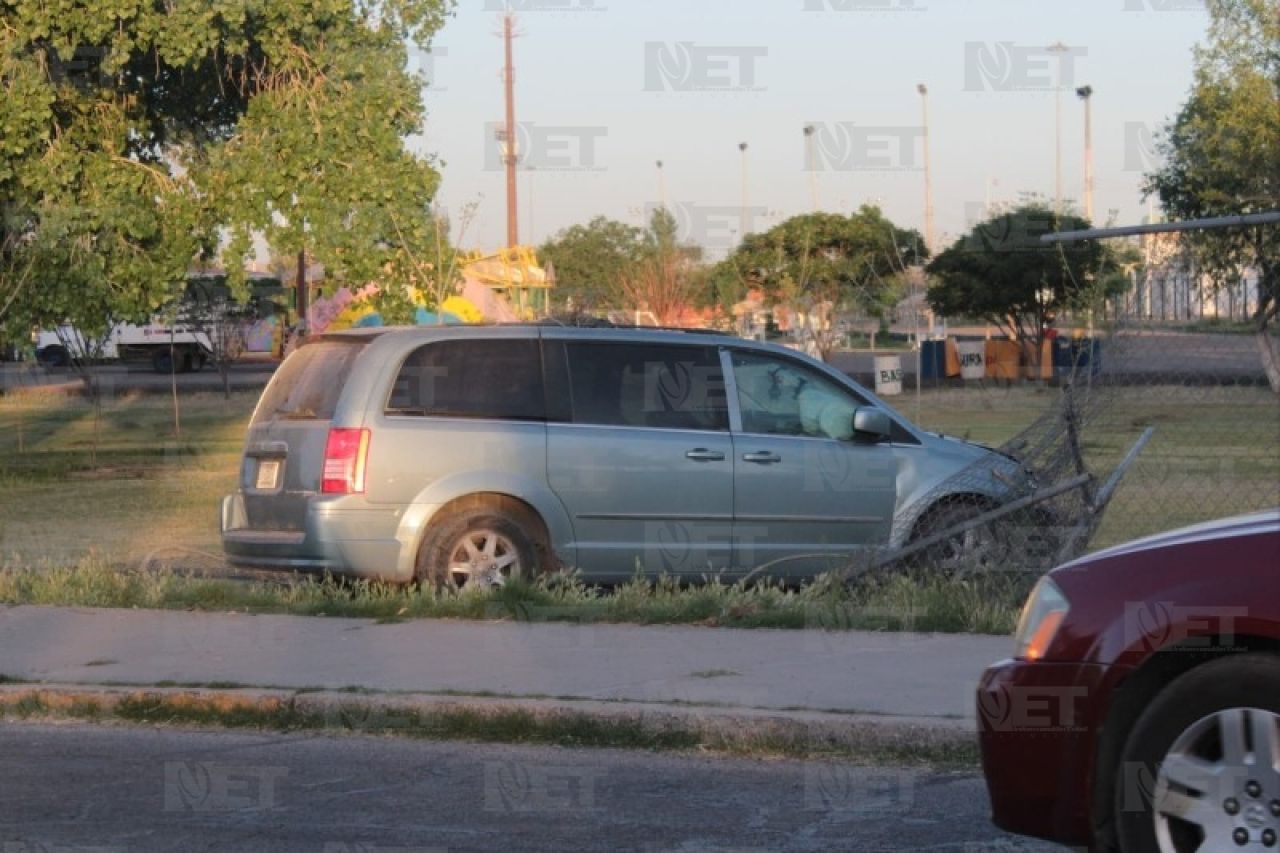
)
(599, 323)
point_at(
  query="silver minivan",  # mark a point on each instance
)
(458, 455)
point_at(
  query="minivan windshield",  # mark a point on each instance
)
(309, 382)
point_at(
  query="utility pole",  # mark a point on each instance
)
(811, 156)
(1058, 48)
(928, 174)
(1085, 93)
(662, 186)
(510, 155)
(301, 294)
(742, 226)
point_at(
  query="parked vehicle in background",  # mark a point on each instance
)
(166, 348)
(184, 339)
(471, 454)
(1141, 710)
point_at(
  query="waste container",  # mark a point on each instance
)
(933, 360)
(973, 359)
(1076, 357)
(888, 375)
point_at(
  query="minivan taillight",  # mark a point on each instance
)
(345, 454)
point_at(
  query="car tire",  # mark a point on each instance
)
(966, 553)
(1169, 758)
(485, 540)
(54, 355)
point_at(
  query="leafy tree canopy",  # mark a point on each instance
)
(1000, 272)
(591, 259)
(593, 262)
(134, 136)
(1222, 152)
(828, 257)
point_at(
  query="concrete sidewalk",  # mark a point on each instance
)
(912, 678)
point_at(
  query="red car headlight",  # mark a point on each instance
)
(1042, 615)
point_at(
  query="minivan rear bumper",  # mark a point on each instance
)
(341, 535)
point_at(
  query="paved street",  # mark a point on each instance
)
(82, 788)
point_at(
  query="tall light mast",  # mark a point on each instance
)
(1085, 94)
(510, 154)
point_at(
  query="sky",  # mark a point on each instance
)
(606, 88)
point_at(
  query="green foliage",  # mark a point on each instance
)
(1002, 273)
(1222, 151)
(596, 263)
(134, 137)
(590, 261)
(826, 257)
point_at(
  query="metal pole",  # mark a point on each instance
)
(742, 227)
(662, 186)
(1058, 48)
(809, 131)
(510, 154)
(531, 172)
(928, 173)
(1265, 218)
(1086, 95)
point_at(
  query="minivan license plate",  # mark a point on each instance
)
(268, 473)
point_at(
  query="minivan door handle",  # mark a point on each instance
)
(762, 457)
(701, 454)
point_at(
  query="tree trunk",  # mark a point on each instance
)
(1270, 358)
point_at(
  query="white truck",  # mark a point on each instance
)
(179, 348)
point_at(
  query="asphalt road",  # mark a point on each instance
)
(81, 788)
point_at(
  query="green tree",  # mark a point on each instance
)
(1000, 272)
(135, 136)
(820, 263)
(590, 261)
(1222, 155)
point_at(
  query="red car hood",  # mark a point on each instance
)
(1266, 521)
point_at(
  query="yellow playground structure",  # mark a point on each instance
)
(514, 275)
(497, 287)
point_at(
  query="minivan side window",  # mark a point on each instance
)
(658, 386)
(782, 397)
(778, 396)
(499, 379)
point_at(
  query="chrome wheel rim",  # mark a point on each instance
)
(1218, 787)
(483, 557)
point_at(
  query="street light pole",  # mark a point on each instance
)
(1085, 93)
(928, 174)
(662, 186)
(742, 226)
(1058, 48)
(811, 156)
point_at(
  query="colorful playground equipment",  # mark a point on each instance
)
(498, 287)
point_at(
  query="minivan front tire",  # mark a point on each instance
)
(485, 540)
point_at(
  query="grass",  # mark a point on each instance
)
(988, 605)
(93, 502)
(496, 724)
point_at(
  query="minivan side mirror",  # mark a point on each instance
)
(870, 425)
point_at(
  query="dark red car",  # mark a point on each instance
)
(1141, 711)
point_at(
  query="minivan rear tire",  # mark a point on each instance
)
(510, 525)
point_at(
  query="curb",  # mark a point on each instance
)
(727, 731)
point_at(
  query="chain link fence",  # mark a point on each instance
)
(1141, 428)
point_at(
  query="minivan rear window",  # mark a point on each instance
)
(310, 381)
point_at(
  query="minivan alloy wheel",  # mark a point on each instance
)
(1218, 787)
(483, 557)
